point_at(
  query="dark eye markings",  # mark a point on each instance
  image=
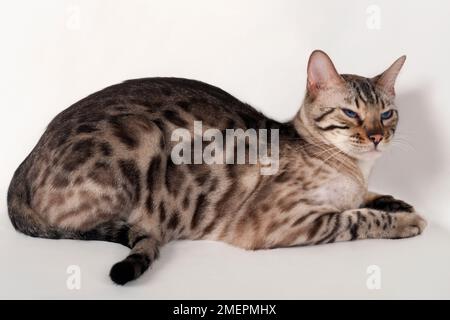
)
(323, 115)
(387, 114)
(333, 127)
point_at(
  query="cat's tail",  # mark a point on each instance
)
(144, 250)
(25, 219)
(144, 247)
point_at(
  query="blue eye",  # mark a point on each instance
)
(386, 115)
(350, 113)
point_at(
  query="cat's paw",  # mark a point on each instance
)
(406, 225)
(389, 204)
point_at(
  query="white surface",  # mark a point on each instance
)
(55, 52)
(410, 269)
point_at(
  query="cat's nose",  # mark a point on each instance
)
(376, 138)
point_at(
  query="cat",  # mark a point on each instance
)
(103, 169)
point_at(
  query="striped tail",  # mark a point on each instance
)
(144, 250)
(26, 220)
(144, 247)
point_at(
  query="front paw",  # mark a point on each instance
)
(406, 225)
(389, 204)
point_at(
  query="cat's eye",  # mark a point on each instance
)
(350, 113)
(387, 114)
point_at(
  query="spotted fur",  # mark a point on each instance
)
(102, 171)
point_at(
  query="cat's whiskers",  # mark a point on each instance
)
(333, 155)
(403, 142)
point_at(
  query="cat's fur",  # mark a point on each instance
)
(103, 171)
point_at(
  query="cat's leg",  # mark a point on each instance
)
(144, 250)
(365, 223)
(386, 203)
(369, 223)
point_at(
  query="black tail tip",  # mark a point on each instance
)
(122, 272)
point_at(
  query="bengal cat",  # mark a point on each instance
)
(103, 169)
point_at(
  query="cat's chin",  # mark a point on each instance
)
(369, 155)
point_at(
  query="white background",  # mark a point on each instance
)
(54, 53)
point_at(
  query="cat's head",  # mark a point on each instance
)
(353, 113)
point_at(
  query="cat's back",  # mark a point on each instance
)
(144, 112)
(100, 148)
(174, 100)
(98, 158)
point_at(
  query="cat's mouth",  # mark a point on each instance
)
(366, 151)
(374, 151)
(371, 153)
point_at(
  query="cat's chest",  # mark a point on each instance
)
(339, 191)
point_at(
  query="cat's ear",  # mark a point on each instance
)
(321, 73)
(386, 80)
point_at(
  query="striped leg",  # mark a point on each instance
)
(374, 224)
(364, 223)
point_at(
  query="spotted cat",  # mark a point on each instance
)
(103, 169)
